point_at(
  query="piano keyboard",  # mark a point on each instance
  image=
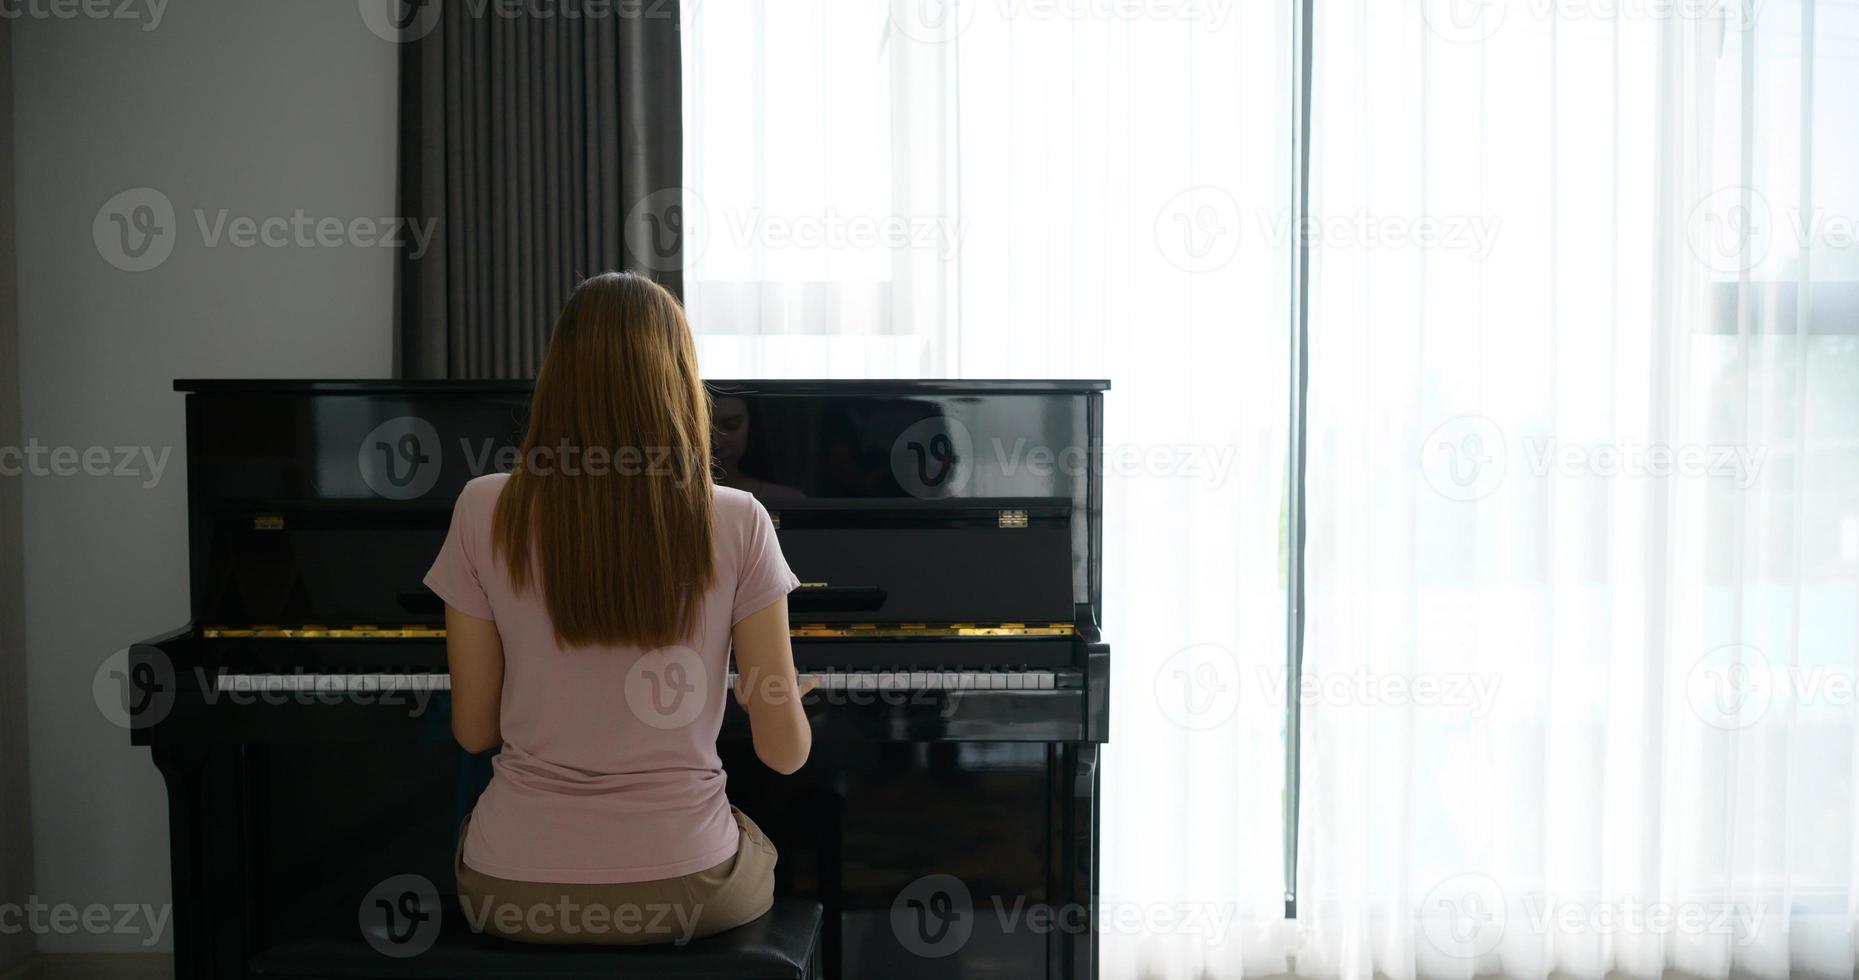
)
(850, 680)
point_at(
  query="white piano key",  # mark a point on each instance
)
(832, 680)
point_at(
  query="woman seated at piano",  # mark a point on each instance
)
(592, 599)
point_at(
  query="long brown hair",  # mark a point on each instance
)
(609, 508)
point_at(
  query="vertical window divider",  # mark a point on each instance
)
(1302, 15)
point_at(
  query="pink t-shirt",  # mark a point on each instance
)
(609, 770)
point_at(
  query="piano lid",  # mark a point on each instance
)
(783, 386)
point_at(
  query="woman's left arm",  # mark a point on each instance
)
(474, 652)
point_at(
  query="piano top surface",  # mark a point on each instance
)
(815, 386)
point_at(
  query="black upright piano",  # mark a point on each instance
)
(947, 535)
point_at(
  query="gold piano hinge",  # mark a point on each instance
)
(905, 630)
(310, 631)
(268, 522)
(815, 585)
(1013, 518)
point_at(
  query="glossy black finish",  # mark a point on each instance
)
(290, 482)
(789, 386)
(898, 502)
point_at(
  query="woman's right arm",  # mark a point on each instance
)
(767, 687)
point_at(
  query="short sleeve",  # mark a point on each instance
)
(454, 574)
(762, 575)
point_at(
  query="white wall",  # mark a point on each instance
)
(260, 107)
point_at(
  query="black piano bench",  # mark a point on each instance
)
(781, 945)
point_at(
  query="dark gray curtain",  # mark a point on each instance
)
(17, 948)
(545, 142)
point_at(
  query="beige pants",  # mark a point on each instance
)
(669, 910)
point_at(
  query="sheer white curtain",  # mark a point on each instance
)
(1538, 676)
(1117, 180)
(1582, 489)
